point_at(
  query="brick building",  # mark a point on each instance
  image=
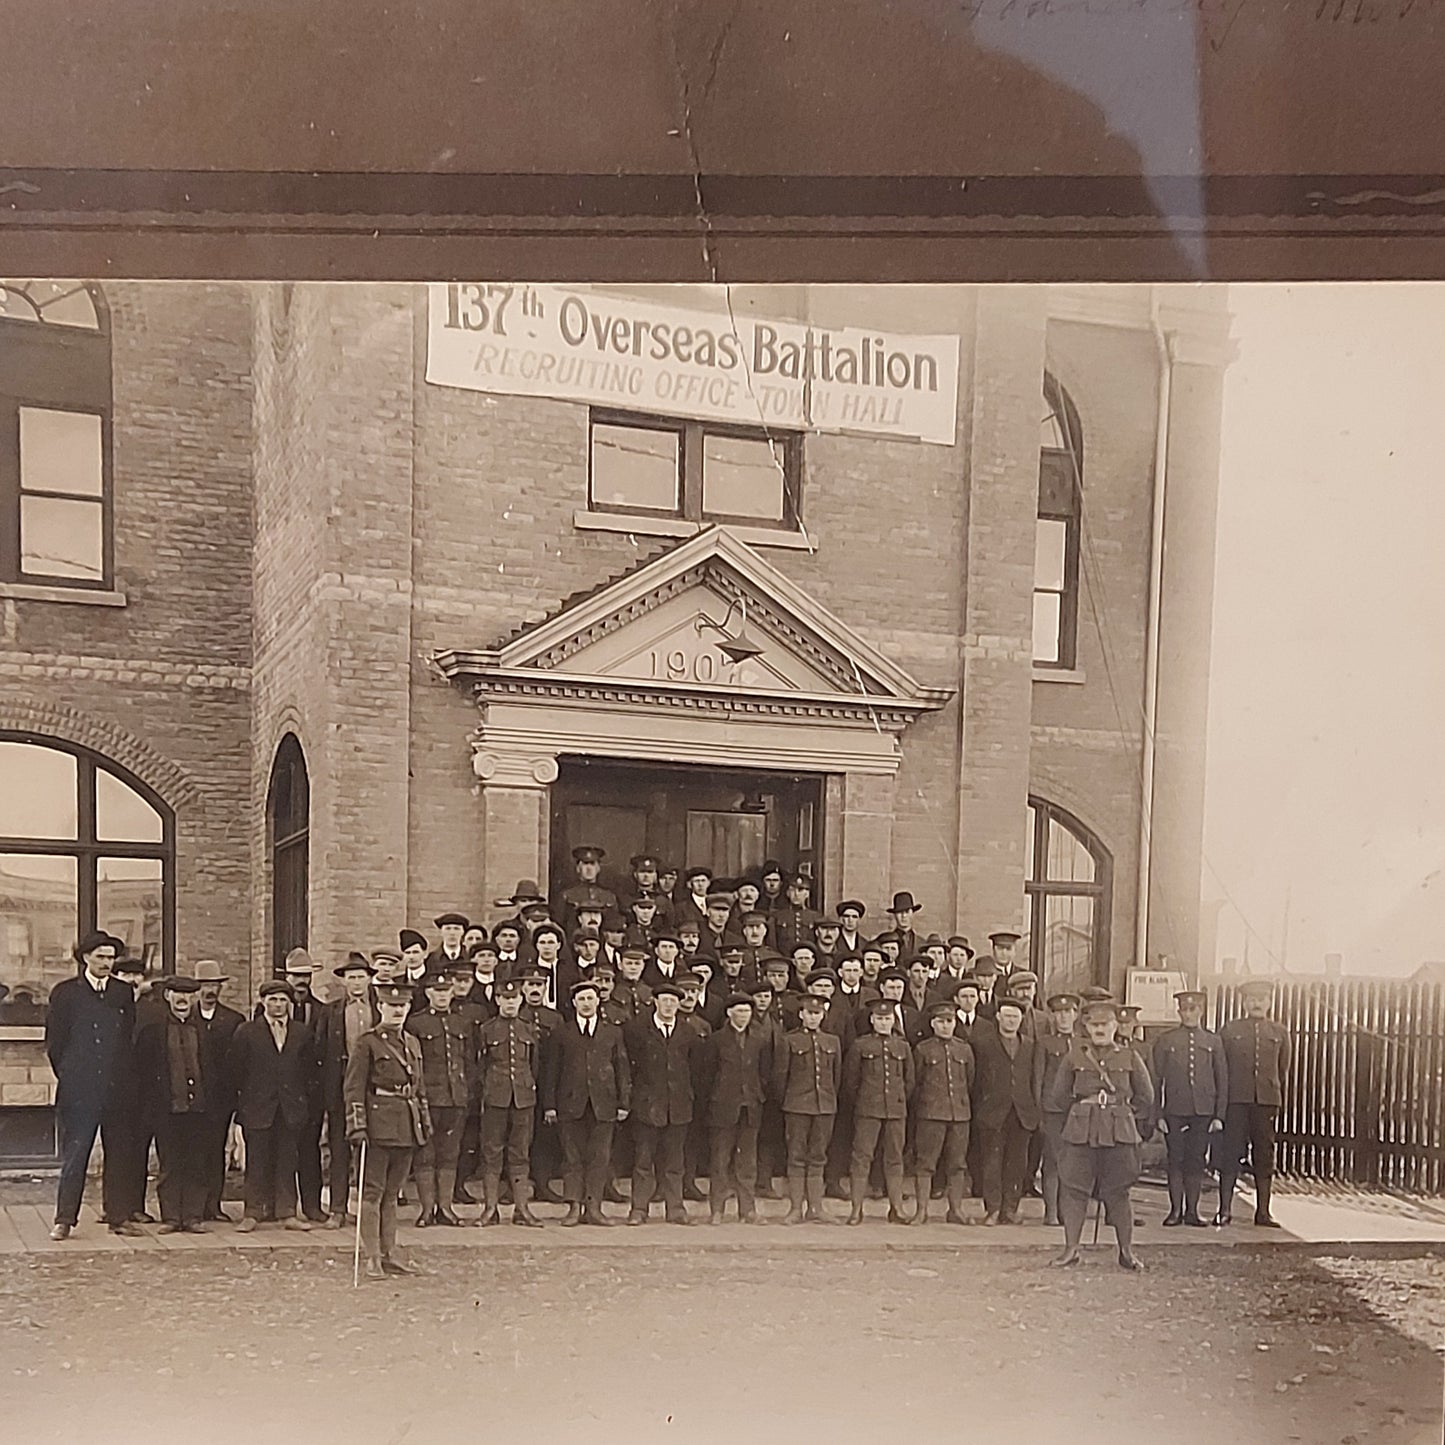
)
(301, 646)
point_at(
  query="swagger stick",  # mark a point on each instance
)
(361, 1184)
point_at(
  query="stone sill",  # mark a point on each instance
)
(586, 521)
(80, 596)
(18, 1033)
(1072, 675)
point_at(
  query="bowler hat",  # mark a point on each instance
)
(905, 902)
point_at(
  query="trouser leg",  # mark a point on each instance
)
(1196, 1146)
(447, 1144)
(671, 1146)
(1052, 1131)
(975, 1163)
(260, 1186)
(745, 1161)
(955, 1155)
(519, 1142)
(928, 1141)
(218, 1127)
(492, 1140)
(645, 1139)
(573, 1134)
(170, 1151)
(1175, 1148)
(397, 1164)
(126, 1141)
(840, 1146)
(424, 1171)
(546, 1156)
(1261, 1152)
(1015, 1163)
(197, 1176)
(308, 1165)
(469, 1145)
(1120, 1208)
(1073, 1210)
(990, 1159)
(288, 1140)
(1231, 1150)
(865, 1145)
(78, 1129)
(598, 1159)
(720, 1166)
(339, 1167)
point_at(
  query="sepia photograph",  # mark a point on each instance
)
(879, 825)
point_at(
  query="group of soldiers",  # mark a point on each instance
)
(732, 1032)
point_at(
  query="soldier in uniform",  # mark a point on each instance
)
(942, 1106)
(644, 884)
(587, 862)
(642, 925)
(1257, 1059)
(878, 1076)
(546, 1157)
(1051, 1046)
(807, 1079)
(508, 1047)
(1130, 1029)
(754, 927)
(661, 1051)
(793, 917)
(1107, 1097)
(629, 992)
(1191, 1077)
(386, 1109)
(448, 1040)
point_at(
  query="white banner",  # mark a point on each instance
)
(575, 344)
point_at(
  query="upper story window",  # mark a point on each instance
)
(698, 471)
(1056, 542)
(55, 417)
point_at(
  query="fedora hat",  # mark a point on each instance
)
(209, 971)
(299, 961)
(903, 902)
(526, 891)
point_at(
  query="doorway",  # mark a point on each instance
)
(727, 820)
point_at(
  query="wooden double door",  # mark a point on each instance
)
(725, 820)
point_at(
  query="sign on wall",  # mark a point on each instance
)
(573, 344)
(1153, 990)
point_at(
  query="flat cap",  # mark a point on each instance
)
(455, 920)
(276, 985)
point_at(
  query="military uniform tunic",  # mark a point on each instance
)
(508, 1051)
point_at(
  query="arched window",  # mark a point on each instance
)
(83, 845)
(288, 824)
(55, 419)
(1068, 892)
(1056, 542)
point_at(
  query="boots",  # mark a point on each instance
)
(814, 1192)
(796, 1190)
(856, 1188)
(956, 1193)
(521, 1208)
(894, 1183)
(920, 1215)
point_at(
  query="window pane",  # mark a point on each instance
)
(633, 466)
(1068, 954)
(37, 792)
(128, 903)
(122, 815)
(62, 303)
(742, 477)
(60, 451)
(38, 928)
(1051, 432)
(1069, 860)
(61, 539)
(1046, 626)
(1049, 542)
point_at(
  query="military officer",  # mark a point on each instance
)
(1051, 1046)
(449, 1063)
(507, 1048)
(587, 862)
(386, 1109)
(878, 1076)
(1107, 1097)
(807, 1078)
(942, 1107)
(1192, 1080)
(1257, 1059)
(793, 918)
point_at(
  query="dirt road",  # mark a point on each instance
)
(762, 1344)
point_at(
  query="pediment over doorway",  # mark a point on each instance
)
(647, 643)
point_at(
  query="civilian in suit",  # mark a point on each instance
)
(306, 1010)
(341, 1024)
(579, 963)
(453, 947)
(1005, 1110)
(1257, 1060)
(129, 1149)
(850, 915)
(662, 964)
(807, 1078)
(1191, 1076)
(508, 1048)
(507, 938)
(734, 1065)
(219, 1023)
(586, 1093)
(772, 1135)
(176, 1069)
(902, 911)
(275, 1065)
(878, 1077)
(1051, 1048)
(661, 1054)
(941, 1110)
(546, 1151)
(88, 1039)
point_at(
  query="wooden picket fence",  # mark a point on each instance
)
(1365, 1103)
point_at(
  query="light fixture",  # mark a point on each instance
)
(736, 647)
